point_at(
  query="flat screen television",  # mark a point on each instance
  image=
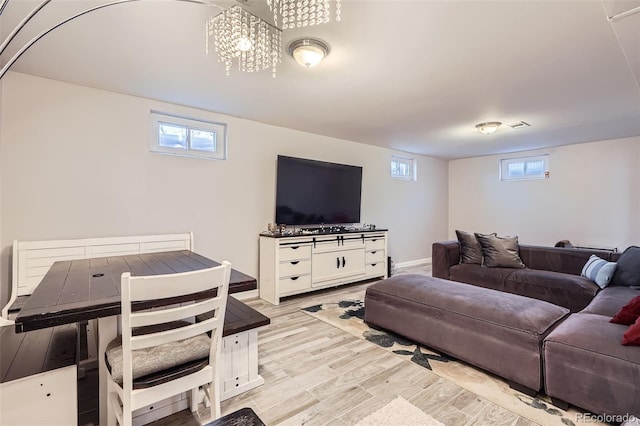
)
(310, 192)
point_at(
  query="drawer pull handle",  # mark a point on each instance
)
(295, 262)
(373, 264)
(295, 247)
(374, 252)
(337, 262)
(294, 278)
(343, 262)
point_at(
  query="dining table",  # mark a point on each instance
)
(86, 289)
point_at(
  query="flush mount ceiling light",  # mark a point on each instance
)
(308, 52)
(489, 127)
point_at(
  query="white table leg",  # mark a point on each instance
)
(107, 331)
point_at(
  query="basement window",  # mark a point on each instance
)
(187, 137)
(403, 167)
(524, 168)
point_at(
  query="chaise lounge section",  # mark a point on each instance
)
(585, 364)
(577, 358)
(498, 332)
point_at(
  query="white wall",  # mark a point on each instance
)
(592, 196)
(76, 163)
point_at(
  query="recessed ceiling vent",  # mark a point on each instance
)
(519, 125)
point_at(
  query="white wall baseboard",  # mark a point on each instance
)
(418, 262)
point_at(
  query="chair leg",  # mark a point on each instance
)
(111, 409)
(215, 401)
(194, 399)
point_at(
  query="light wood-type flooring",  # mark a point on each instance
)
(317, 374)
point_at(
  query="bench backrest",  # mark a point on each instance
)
(32, 259)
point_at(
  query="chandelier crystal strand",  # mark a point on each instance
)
(243, 37)
(302, 13)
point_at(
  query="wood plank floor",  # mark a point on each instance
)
(316, 374)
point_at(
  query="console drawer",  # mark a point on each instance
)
(375, 243)
(374, 256)
(374, 269)
(295, 267)
(295, 252)
(294, 284)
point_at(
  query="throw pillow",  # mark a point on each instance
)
(632, 336)
(470, 250)
(628, 271)
(629, 313)
(599, 270)
(500, 251)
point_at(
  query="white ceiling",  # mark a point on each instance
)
(409, 75)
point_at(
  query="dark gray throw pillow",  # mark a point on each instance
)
(470, 249)
(500, 252)
(628, 270)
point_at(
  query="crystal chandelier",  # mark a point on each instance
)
(302, 13)
(240, 35)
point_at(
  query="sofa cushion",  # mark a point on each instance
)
(470, 249)
(599, 270)
(571, 291)
(480, 276)
(586, 365)
(558, 259)
(610, 300)
(631, 337)
(629, 313)
(152, 360)
(500, 251)
(628, 271)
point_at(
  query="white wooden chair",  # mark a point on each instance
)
(162, 352)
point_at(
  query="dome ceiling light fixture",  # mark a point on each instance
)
(488, 127)
(308, 52)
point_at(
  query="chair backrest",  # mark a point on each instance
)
(214, 282)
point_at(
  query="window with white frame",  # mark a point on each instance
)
(536, 167)
(188, 137)
(403, 167)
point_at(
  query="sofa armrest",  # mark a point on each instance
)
(444, 255)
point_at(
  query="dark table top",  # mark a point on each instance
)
(80, 290)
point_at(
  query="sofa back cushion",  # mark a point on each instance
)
(628, 271)
(500, 252)
(470, 249)
(599, 270)
(558, 259)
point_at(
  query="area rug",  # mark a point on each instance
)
(348, 315)
(399, 412)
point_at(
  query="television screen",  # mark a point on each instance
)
(310, 192)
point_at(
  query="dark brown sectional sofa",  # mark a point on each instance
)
(552, 273)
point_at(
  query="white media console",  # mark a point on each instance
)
(294, 264)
